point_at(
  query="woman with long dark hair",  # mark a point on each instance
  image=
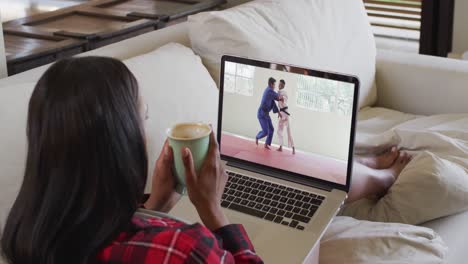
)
(85, 174)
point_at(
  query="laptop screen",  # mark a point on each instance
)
(288, 118)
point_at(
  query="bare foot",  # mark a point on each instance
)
(256, 141)
(382, 161)
(280, 148)
(388, 176)
(267, 147)
(294, 150)
(399, 164)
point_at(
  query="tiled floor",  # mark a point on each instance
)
(303, 163)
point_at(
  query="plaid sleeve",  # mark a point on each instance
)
(161, 240)
(233, 247)
(235, 240)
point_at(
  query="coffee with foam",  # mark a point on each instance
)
(194, 136)
(186, 131)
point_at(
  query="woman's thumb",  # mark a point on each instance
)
(190, 174)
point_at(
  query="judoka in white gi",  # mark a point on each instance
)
(284, 119)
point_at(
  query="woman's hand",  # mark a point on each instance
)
(206, 188)
(163, 195)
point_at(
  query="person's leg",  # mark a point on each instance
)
(271, 131)
(264, 132)
(280, 134)
(290, 138)
(368, 182)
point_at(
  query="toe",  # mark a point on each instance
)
(393, 153)
(404, 157)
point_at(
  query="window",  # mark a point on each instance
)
(417, 25)
(404, 15)
(324, 95)
(395, 23)
(238, 78)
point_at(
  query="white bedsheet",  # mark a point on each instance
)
(444, 135)
(374, 128)
(360, 242)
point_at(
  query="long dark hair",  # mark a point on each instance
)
(86, 165)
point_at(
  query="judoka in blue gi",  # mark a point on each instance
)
(267, 105)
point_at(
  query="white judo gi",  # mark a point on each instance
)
(284, 120)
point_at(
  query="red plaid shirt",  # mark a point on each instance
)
(164, 240)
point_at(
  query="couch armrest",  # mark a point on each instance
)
(421, 84)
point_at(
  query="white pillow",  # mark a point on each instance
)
(332, 35)
(351, 241)
(14, 102)
(177, 88)
(428, 188)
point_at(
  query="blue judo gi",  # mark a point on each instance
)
(267, 104)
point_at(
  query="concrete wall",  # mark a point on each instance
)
(460, 27)
(3, 67)
(321, 133)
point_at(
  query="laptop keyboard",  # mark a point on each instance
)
(270, 201)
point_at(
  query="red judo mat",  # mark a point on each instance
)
(317, 166)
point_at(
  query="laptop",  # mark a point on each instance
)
(285, 199)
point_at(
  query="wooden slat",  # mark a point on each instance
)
(376, 2)
(398, 2)
(393, 10)
(394, 26)
(395, 17)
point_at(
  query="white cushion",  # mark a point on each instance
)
(177, 88)
(332, 35)
(14, 102)
(350, 241)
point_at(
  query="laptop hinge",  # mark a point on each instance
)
(278, 175)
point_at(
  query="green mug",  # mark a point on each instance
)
(196, 137)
